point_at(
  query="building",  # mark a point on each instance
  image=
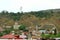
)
(16, 26)
(42, 31)
(47, 28)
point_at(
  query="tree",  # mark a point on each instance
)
(1, 34)
(7, 31)
(55, 31)
(22, 27)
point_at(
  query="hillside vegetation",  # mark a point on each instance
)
(31, 19)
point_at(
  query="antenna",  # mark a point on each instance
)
(21, 9)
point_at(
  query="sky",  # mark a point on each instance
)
(28, 5)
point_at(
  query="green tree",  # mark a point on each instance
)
(7, 31)
(22, 27)
(1, 34)
(55, 31)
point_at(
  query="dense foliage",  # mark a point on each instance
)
(22, 27)
(17, 16)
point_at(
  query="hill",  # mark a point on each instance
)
(31, 19)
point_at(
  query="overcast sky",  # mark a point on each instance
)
(28, 5)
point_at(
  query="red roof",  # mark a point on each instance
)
(8, 36)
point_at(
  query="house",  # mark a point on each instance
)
(16, 26)
(47, 28)
(8, 36)
(42, 31)
(12, 35)
(8, 26)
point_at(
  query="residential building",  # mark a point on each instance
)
(16, 26)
